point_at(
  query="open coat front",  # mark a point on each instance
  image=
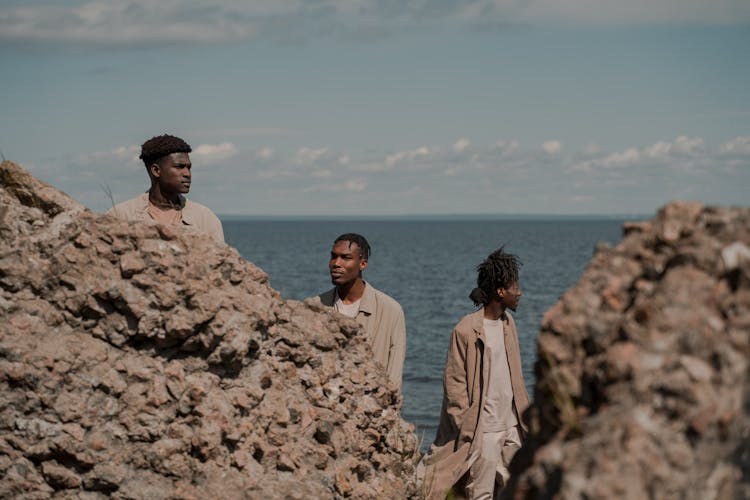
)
(464, 391)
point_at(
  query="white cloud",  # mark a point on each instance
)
(506, 147)
(265, 154)
(630, 156)
(212, 153)
(308, 156)
(685, 153)
(144, 22)
(641, 177)
(121, 154)
(685, 146)
(406, 156)
(460, 145)
(552, 148)
(739, 146)
(588, 150)
(609, 12)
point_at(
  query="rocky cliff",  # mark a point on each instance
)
(138, 361)
(643, 378)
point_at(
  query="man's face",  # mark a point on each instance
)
(173, 173)
(346, 262)
(510, 296)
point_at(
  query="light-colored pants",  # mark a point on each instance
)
(489, 473)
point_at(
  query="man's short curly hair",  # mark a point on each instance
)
(161, 146)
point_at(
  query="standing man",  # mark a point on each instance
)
(169, 168)
(380, 315)
(483, 391)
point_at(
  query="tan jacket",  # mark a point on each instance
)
(193, 214)
(464, 392)
(383, 320)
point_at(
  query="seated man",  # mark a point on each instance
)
(168, 166)
(380, 315)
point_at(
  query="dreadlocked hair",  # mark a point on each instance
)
(161, 146)
(498, 270)
(357, 239)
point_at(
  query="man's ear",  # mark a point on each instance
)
(362, 265)
(154, 170)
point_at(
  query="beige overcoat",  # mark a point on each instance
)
(194, 215)
(464, 391)
(383, 320)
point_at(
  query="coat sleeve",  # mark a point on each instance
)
(397, 351)
(455, 386)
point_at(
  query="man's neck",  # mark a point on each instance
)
(351, 292)
(163, 200)
(493, 310)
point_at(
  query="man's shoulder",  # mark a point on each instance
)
(130, 208)
(385, 300)
(196, 207)
(469, 323)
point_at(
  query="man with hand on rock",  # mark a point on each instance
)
(484, 394)
(169, 168)
(379, 314)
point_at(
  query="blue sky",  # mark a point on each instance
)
(382, 107)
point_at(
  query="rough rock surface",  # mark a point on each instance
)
(643, 378)
(140, 361)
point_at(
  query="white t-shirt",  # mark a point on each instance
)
(497, 412)
(350, 310)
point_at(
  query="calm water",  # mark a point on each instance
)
(428, 267)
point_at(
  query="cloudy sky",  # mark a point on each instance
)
(386, 106)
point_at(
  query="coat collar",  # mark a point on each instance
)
(477, 321)
(367, 304)
(186, 214)
(368, 301)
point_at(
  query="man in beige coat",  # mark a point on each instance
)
(168, 165)
(379, 314)
(484, 395)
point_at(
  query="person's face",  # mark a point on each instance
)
(173, 173)
(510, 296)
(346, 262)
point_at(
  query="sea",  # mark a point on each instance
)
(429, 266)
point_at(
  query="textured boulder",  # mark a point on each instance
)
(141, 361)
(643, 371)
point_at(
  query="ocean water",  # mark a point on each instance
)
(428, 266)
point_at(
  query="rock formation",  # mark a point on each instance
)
(643, 371)
(141, 361)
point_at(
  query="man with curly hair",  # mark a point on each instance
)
(168, 165)
(484, 394)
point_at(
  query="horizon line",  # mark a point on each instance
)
(439, 216)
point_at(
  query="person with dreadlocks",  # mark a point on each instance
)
(168, 165)
(379, 314)
(484, 394)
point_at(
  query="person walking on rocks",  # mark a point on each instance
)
(379, 314)
(169, 168)
(484, 394)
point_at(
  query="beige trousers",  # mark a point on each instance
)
(489, 473)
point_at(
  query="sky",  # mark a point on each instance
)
(385, 107)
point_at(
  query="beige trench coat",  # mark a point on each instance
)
(464, 390)
(383, 320)
(194, 215)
